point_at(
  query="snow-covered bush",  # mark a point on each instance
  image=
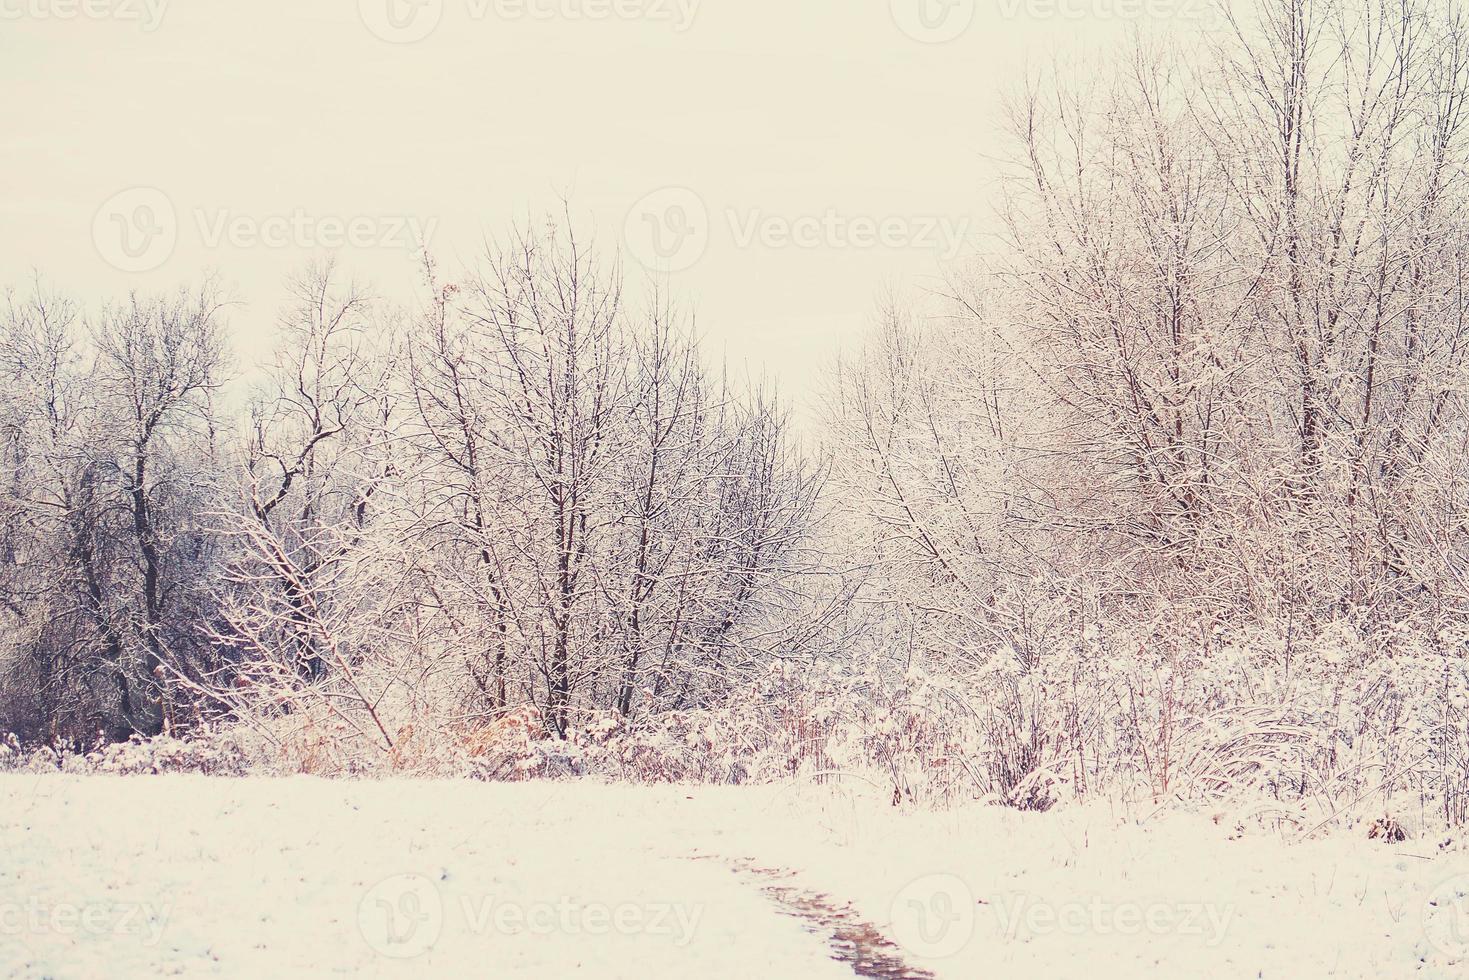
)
(209, 753)
(215, 752)
(1302, 729)
(10, 751)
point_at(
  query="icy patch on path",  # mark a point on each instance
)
(853, 940)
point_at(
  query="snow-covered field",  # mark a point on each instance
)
(262, 877)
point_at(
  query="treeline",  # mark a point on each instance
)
(1171, 492)
(525, 493)
(1177, 479)
(1219, 371)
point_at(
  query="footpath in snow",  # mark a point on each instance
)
(190, 876)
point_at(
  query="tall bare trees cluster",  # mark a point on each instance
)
(1189, 449)
(526, 493)
(1223, 354)
(1241, 285)
(111, 468)
(613, 520)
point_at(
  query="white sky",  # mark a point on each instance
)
(773, 110)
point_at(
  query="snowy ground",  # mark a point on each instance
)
(253, 878)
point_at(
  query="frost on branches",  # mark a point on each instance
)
(1166, 498)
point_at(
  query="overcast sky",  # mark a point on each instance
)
(779, 161)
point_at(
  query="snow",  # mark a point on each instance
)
(186, 875)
